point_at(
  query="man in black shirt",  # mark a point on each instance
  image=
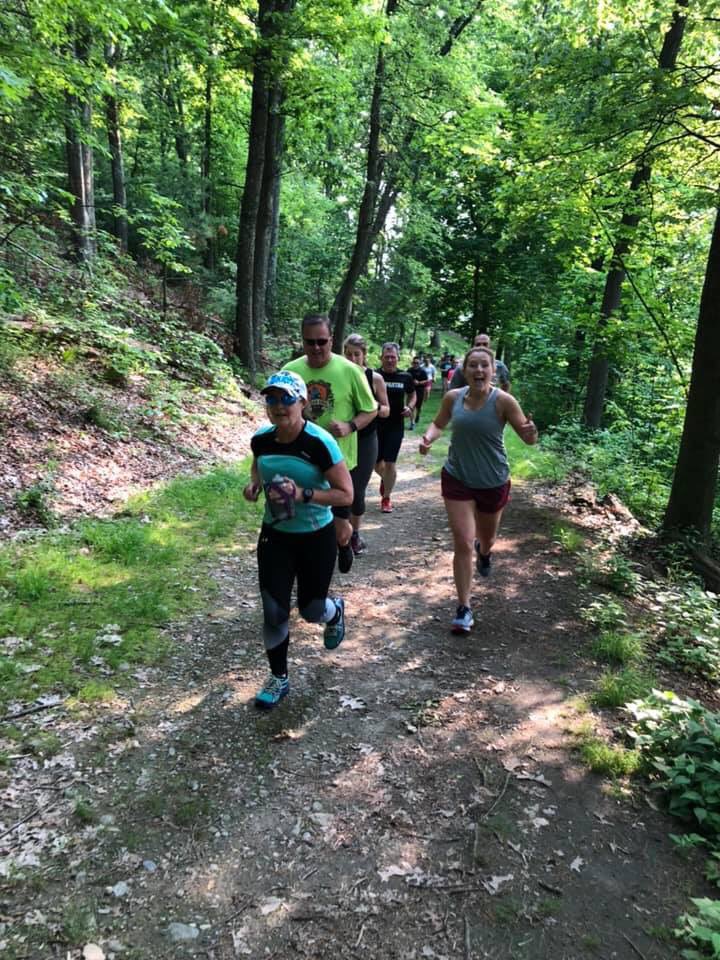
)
(401, 397)
(419, 374)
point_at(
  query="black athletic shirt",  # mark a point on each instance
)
(400, 385)
(418, 374)
(372, 426)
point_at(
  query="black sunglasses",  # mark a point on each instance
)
(319, 342)
(272, 400)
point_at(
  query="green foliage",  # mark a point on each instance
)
(98, 596)
(85, 812)
(701, 930)
(613, 646)
(604, 613)
(10, 295)
(568, 538)
(607, 759)
(162, 233)
(35, 500)
(616, 688)
(691, 634)
(679, 741)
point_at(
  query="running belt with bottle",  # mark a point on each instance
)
(477, 455)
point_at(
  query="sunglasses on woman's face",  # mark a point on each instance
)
(319, 342)
(272, 399)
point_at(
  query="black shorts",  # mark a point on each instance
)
(390, 437)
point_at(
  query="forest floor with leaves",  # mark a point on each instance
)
(417, 795)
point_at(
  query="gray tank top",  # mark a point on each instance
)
(477, 455)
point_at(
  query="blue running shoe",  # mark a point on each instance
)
(335, 629)
(463, 621)
(272, 693)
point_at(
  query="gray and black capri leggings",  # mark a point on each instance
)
(362, 471)
(284, 558)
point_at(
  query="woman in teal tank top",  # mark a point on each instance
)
(475, 479)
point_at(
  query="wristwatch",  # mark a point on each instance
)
(308, 494)
(353, 426)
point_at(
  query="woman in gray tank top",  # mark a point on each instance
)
(475, 479)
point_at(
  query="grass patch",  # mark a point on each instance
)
(615, 647)
(608, 760)
(85, 812)
(78, 923)
(567, 537)
(616, 688)
(98, 596)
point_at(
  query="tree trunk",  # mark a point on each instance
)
(364, 236)
(413, 336)
(265, 137)
(117, 169)
(174, 103)
(600, 363)
(78, 136)
(209, 251)
(271, 286)
(265, 220)
(692, 497)
(244, 339)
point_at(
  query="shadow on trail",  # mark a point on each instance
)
(415, 796)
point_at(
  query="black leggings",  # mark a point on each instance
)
(284, 558)
(362, 471)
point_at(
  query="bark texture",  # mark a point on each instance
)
(694, 487)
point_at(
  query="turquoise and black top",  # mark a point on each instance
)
(477, 454)
(305, 461)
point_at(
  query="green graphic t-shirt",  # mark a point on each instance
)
(336, 391)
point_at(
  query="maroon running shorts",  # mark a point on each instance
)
(488, 500)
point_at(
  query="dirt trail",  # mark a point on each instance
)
(415, 796)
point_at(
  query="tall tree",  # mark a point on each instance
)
(264, 141)
(117, 166)
(600, 364)
(79, 151)
(694, 488)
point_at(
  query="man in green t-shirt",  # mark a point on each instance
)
(339, 399)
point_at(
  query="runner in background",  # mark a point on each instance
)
(355, 349)
(475, 479)
(445, 365)
(419, 375)
(401, 397)
(430, 371)
(340, 401)
(502, 374)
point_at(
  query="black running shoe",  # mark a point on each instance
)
(482, 563)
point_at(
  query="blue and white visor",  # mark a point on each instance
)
(289, 382)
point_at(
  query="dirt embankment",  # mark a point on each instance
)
(77, 446)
